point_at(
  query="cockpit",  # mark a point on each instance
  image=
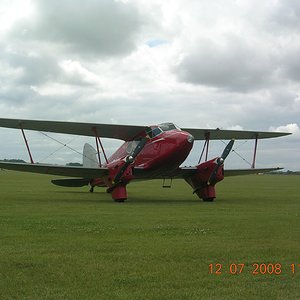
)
(168, 126)
(154, 131)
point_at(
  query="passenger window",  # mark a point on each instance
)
(156, 131)
(153, 132)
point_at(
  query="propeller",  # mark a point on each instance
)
(130, 159)
(220, 162)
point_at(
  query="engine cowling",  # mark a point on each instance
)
(199, 181)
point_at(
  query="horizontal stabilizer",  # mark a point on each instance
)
(72, 182)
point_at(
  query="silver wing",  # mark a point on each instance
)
(185, 172)
(56, 170)
(128, 132)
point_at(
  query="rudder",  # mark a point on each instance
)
(89, 159)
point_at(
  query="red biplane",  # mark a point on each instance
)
(149, 152)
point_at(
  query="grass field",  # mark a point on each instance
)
(59, 243)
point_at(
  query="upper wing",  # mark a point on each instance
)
(220, 134)
(56, 170)
(123, 132)
(127, 132)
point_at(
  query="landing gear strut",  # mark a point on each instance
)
(118, 192)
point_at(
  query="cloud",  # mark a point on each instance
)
(77, 74)
(286, 15)
(290, 128)
(290, 64)
(240, 48)
(232, 64)
(93, 29)
(34, 69)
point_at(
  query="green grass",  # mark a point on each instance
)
(60, 243)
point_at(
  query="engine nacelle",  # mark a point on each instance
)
(200, 180)
(118, 189)
(114, 169)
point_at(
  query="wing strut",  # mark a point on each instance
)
(255, 152)
(98, 152)
(26, 143)
(205, 147)
(98, 142)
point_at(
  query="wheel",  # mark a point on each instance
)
(208, 199)
(92, 189)
(120, 200)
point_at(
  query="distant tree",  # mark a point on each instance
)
(74, 164)
(20, 161)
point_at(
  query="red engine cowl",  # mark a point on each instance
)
(200, 180)
(114, 169)
(118, 189)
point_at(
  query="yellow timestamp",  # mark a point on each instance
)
(254, 269)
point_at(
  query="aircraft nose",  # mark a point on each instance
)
(190, 139)
(186, 140)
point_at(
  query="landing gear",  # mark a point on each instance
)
(208, 199)
(120, 200)
(118, 192)
(92, 189)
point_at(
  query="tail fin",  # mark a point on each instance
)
(89, 157)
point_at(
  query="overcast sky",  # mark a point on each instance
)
(197, 63)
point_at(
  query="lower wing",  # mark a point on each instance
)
(185, 172)
(140, 173)
(56, 170)
(238, 172)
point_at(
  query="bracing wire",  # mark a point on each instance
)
(239, 155)
(63, 146)
(45, 158)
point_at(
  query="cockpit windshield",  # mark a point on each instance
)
(168, 126)
(154, 131)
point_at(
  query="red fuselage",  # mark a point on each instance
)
(162, 152)
(157, 150)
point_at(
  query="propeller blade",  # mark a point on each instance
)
(121, 171)
(139, 147)
(227, 149)
(130, 159)
(220, 162)
(213, 175)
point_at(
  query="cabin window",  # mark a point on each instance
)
(153, 132)
(156, 131)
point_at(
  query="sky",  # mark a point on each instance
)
(198, 63)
